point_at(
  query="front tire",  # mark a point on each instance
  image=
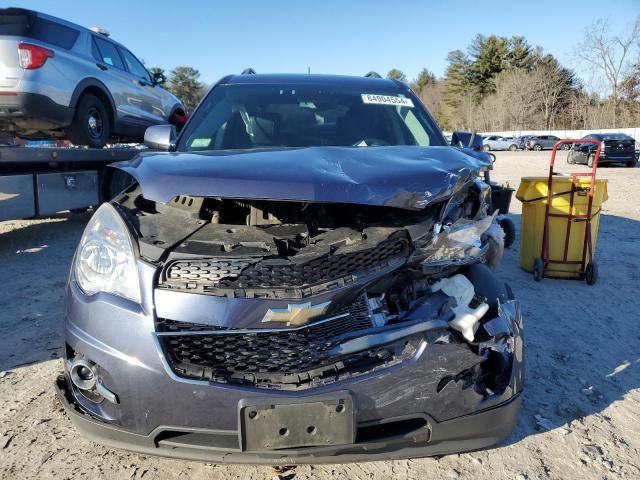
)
(486, 148)
(90, 124)
(537, 148)
(513, 148)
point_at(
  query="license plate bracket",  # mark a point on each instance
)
(271, 424)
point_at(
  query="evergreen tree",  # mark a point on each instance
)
(425, 77)
(184, 84)
(395, 74)
(456, 79)
(488, 58)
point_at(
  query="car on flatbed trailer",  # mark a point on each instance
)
(58, 79)
(302, 278)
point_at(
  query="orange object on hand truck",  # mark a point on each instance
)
(588, 270)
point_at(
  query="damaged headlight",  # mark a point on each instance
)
(105, 259)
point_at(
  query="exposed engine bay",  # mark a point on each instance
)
(393, 277)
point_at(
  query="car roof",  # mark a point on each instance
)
(314, 79)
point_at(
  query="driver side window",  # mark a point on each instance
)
(134, 66)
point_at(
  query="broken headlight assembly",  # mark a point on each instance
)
(105, 260)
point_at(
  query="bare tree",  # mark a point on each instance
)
(609, 54)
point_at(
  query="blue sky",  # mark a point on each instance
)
(330, 36)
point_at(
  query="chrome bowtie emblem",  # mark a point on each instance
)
(296, 313)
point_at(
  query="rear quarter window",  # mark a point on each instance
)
(16, 22)
(52, 32)
(13, 22)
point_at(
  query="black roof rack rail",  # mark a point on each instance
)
(373, 74)
(248, 71)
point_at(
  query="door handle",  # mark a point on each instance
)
(143, 83)
(102, 66)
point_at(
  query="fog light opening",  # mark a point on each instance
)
(82, 374)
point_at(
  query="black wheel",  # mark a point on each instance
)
(538, 269)
(589, 160)
(486, 148)
(591, 273)
(90, 124)
(513, 148)
(631, 164)
(509, 229)
(537, 148)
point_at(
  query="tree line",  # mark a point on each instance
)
(504, 83)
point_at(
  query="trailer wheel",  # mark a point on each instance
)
(538, 269)
(591, 273)
(90, 124)
(509, 229)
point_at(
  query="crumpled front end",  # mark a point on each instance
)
(299, 332)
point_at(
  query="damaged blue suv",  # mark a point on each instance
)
(305, 275)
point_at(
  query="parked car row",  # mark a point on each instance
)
(617, 147)
(537, 143)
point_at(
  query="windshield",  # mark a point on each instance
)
(276, 116)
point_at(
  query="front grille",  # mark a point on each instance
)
(221, 275)
(284, 359)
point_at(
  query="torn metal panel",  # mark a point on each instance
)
(405, 177)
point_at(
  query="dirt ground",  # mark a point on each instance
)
(581, 411)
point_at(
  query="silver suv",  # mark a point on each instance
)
(58, 79)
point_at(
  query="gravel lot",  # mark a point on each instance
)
(580, 417)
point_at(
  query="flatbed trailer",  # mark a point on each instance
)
(40, 181)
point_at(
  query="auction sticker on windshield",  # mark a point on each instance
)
(386, 100)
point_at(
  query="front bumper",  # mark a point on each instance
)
(160, 413)
(466, 433)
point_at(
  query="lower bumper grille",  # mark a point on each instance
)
(282, 359)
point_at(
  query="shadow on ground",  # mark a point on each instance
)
(34, 263)
(581, 341)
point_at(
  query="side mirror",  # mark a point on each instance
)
(160, 137)
(159, 78)
(466, 140)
